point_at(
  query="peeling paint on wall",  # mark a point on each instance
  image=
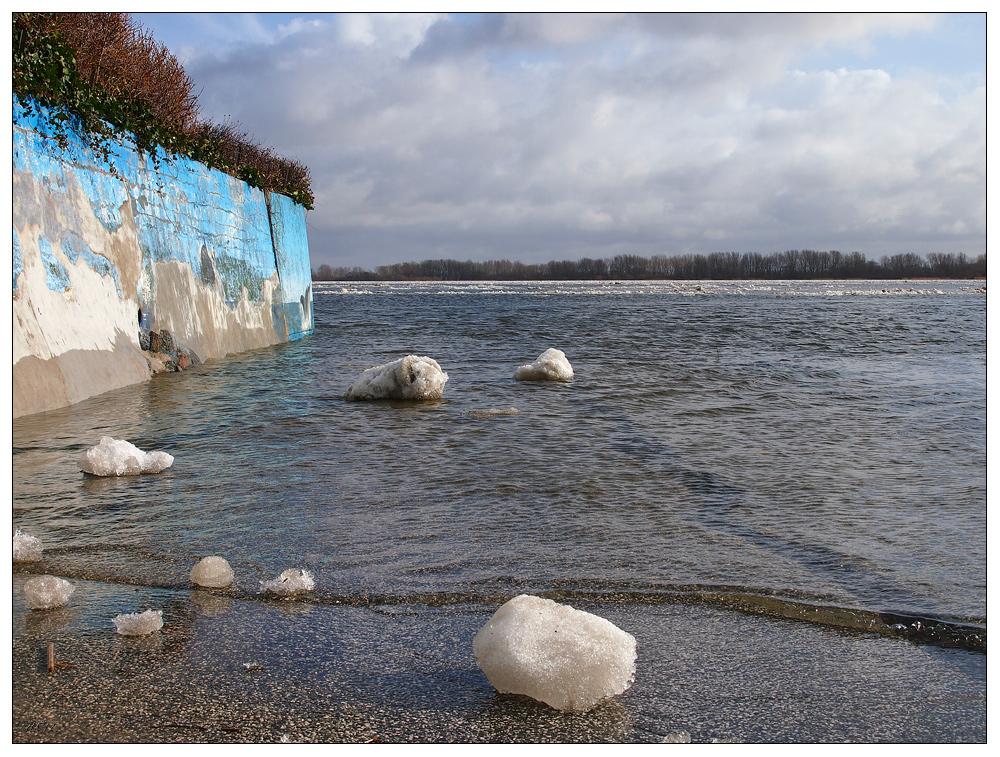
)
(56, 276)
(18, 264)
(222, 266)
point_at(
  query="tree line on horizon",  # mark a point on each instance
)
(718, 266)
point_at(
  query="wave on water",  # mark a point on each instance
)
(945, 631)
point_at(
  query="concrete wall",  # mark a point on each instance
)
(222, 266)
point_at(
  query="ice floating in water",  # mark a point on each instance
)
(566, 658)
(289, 583)
(409, 378)
(492, 412)
(138, 623)
(26, 547)
(213, 572)
(551, 365)
(117, 457)
(47, 592)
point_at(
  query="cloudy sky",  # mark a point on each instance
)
(554, 137)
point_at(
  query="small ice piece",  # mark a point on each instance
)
(289, 583)
(47, 592)
(117, 457)
(26, 547)
(566, 658)
(551, 365)
(409, 378)
(492, 412)
(138, 623)
(213, 572)
(677, 737)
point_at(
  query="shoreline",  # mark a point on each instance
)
(226, 670)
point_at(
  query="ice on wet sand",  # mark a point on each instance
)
(289, 583)
(47, 592)
(566, 658)
(117, 457)
(409, 378)
(551, 365)
(138, 623)
(213, 572)
(26, 547)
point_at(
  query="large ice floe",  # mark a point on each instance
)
(289, 584)
(551, 365)
(47, 592)
(566, 658)
(26, 547)
(212, 572)
(409, 378)
(138, 623)
(117, 457)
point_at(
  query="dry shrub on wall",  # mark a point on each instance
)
(135, 75)
(256, 162)
(114, 53)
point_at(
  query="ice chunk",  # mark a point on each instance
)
(117, 457)
(213, 572)
(289, 583)
(409, 378)
(138, 623)
(566, 658)
(551, 365)
(677, 737)
(47, 592)
(492, 412)
(26, 547)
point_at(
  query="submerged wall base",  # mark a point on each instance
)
(105, 248)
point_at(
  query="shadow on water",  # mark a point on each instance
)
(505, 714)
(717, 501)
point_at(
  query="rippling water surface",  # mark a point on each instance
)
(824, 442)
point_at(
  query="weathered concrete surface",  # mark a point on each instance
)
(288, 233)
(99, 244)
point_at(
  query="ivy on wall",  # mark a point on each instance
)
(102, 106)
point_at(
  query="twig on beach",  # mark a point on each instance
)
(52, 660)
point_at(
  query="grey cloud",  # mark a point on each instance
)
(539, 138)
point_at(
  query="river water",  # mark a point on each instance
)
(804, 447)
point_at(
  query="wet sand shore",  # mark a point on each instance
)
(225, 670)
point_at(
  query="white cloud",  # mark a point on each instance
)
(549, 137)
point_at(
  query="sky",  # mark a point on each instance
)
(560, 136)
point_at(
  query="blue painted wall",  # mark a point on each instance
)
(224, 266)
(288, 230)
